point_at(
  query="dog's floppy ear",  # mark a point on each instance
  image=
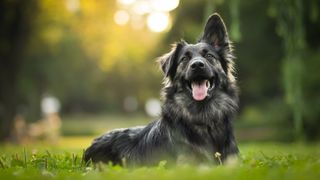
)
(169, 61)
(215, 33)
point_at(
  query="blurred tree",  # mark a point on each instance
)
(77, 53)
(310, 76)
(296, 20)
(289, 15)
(15, 29)
(235, 20)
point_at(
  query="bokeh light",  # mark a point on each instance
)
(126, 2)
(164, 5)
(141, 7)
(158, 21)
(121, 17)
(72, 5)
(153, 107)
(50, 104)
(154, 13)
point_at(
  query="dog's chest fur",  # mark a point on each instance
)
(198, 140)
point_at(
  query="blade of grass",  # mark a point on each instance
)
(2, 164)
(25, 157)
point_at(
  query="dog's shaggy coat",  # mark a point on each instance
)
(200, 99)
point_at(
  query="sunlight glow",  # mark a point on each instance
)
(158, 21)
(121, 17)
(154, 13)
(72, 5)
(126, 2)
(164, 5)
(141, 7)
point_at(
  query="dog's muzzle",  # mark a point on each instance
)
(200, 79)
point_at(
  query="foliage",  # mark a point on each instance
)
(78, 55)
(91, 64)
(258, 161)
(290, 28)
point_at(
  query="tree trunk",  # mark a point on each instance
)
(15, 19)
(291, 28)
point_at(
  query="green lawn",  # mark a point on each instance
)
(63, 161)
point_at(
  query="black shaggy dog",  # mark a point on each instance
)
(200, 100)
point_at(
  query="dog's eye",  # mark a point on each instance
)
(185, 58)
(208, 56)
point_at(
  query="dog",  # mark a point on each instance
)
(200, 99)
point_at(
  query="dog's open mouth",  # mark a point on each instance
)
(200, 88)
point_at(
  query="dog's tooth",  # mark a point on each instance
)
(208, 83)
(193, 84)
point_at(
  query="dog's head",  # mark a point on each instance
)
(198, 70)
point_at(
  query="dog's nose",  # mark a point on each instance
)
(197, 65)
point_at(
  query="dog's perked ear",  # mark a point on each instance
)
(169, 61)
(215, 33)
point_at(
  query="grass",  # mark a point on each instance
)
(258, 161)
(263, 160)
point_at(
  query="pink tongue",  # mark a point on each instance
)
(199, 91)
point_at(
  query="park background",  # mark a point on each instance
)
(73, 69)
(96, 63)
